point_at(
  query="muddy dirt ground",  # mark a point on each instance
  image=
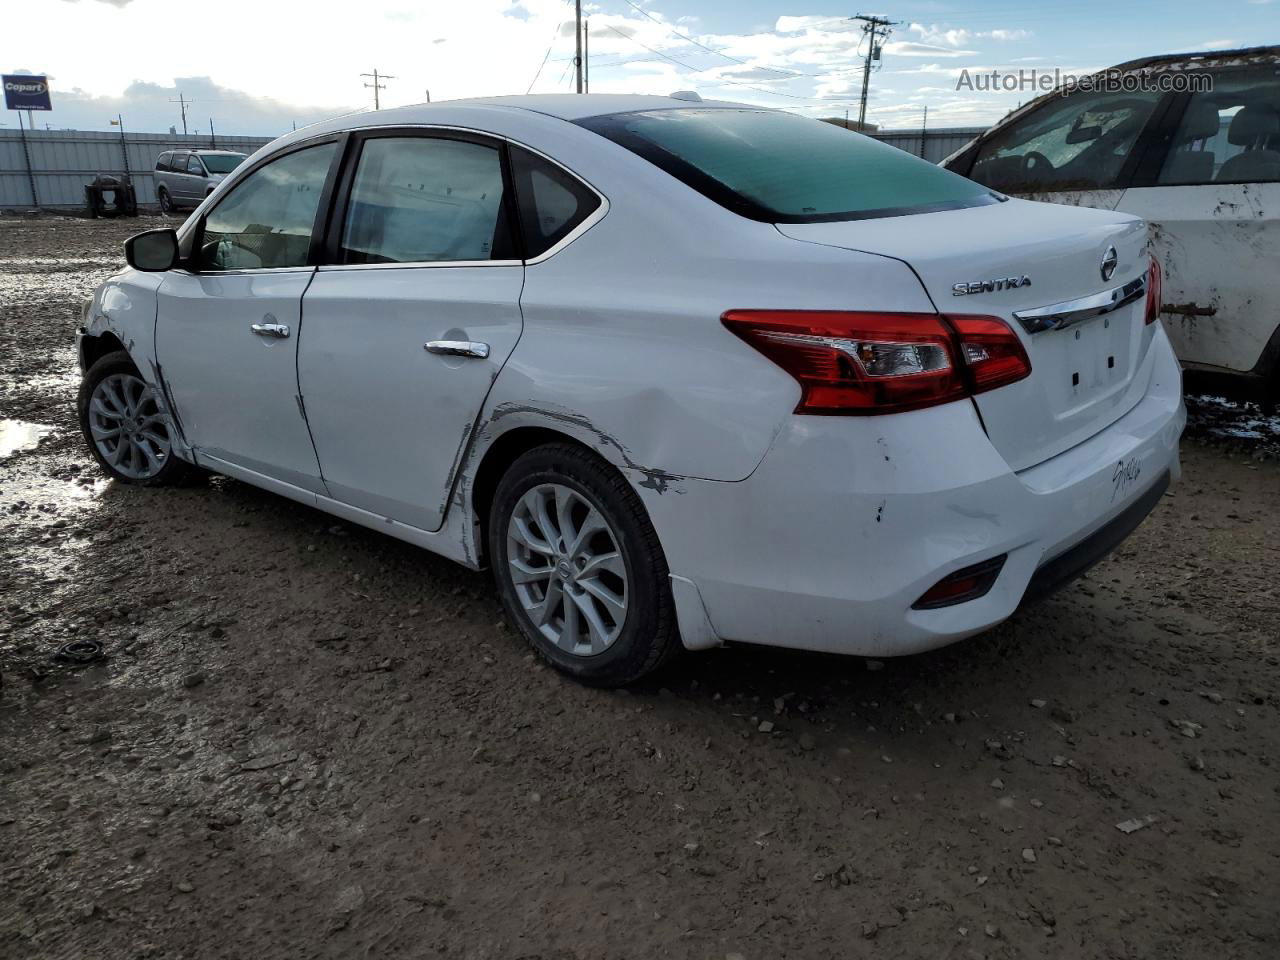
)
(308, 740)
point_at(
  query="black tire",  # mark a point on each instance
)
(173, 472)
(166, 202)
(648, 635)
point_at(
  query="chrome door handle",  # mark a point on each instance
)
(277, 330)
(458, 348)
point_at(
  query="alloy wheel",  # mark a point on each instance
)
(568, 571)
(127, 426)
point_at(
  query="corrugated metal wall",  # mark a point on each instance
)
(938, 144)
(63, 161)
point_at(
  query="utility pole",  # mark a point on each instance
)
(377, 85)
(924, 128)
(577, 33)
(876, 29)
(213, 140)
(183, 101)
(586, 55)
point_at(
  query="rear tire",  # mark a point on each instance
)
(587, 584)
(122, 423)
(166, 202)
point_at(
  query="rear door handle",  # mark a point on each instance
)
(277, 330)
(458, 348)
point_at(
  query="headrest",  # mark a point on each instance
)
(1199, 122)
(1252, 124)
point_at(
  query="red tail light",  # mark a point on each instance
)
(1154, 284)
(872, 363)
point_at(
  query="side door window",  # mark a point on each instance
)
(552, 202)
(1077, 142)
(162, 164)
(268, 219)
(194, 166)
(426, 200)
(1229, 134)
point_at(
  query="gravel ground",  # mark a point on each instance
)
(308, 740)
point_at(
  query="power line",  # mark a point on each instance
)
(555, 36)
(718, 53)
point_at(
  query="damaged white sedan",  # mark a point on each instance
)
(680, 372)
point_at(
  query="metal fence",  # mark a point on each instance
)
(935, 145)
(63, 161)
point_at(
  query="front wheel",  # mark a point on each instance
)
(579, 567)
(122, 421)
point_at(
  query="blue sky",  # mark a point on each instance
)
(256, 67)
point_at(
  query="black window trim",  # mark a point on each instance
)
(608, 127)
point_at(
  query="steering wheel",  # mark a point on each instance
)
(1033, 161)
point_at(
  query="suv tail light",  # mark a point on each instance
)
(872, 363)
(1154, 284)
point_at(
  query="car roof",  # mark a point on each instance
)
(201, 151)
(1243, 56)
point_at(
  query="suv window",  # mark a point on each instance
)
(425, 199)
(194, 166)
(178, 162)
(782, 168)
(162, 163)
(552, 202)
(1078, 142)
(1230, 134)
(268, 217)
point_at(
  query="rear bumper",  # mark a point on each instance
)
(848, 521)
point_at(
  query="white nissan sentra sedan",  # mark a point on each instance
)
(680, 372)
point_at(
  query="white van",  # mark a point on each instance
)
(1202, 168)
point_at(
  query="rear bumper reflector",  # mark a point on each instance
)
(968, 583)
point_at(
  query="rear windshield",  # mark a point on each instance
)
(782, 168)
(221, 162)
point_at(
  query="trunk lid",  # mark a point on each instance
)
(1084, 376)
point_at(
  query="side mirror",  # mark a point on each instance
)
(154, 251)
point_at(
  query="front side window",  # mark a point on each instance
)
(552, 203)
(268, 217)
(1079, 142)
(782, 168)
(1230, 134)
(425, 200)
(222, 162)
(194, 166)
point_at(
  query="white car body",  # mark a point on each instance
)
(1207, 180)
(815, 532)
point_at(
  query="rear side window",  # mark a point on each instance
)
(268, 217)
(552, 202)
(1230, 134)
(178, 162)
(426, 200)
(162, 164)
(782, 168)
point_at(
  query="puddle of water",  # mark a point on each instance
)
(17, 435)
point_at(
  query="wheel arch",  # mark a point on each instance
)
(497, 459)
(93, 347)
